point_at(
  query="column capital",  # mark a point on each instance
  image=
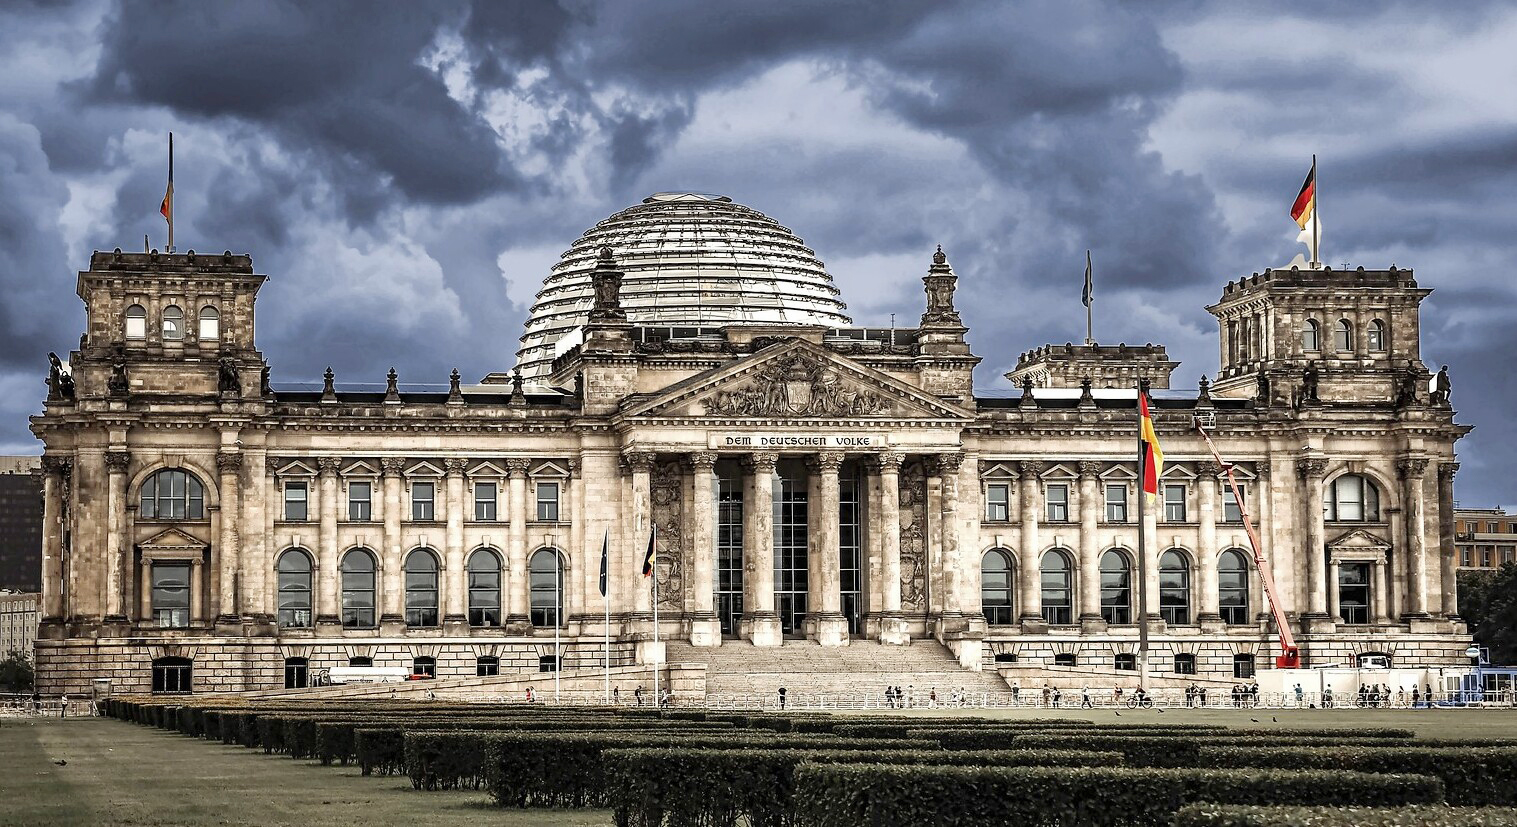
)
(1411, 468)
(948, 463)
(197, 562)
(761, 462)
(703, 461)
(576, 465)
(886, 461)
(1031, 467)
(327, 466)
(1447, 470)
(271, 464)
(117, 461)
(639, 461)
(454, 466)
(826, 462)
(391, 466)
(229, 462)
(57, 464)
(517, 467)
(1263, 468)
(1311, 468)
(1089, 468)
(1208, 468)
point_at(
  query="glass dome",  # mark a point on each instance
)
(690, 259)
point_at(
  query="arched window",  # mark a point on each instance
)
(358, 589)
(1116, 588)
(173, 322)
(1185, 664)
(296, 673)
(294, 569)
(1343, 336)
(172, 494)
(1311, 335)
(545, 573)
(1352, 498)
(1377, 336)
(1243, 666)
(1057, 588)
(1232, 587)
(486, 666)
(995, 587)
(484, 588)
(421, 588)
(210, 323)
(424, 665)
(173, 675)
(136, 322)
(1174, 588)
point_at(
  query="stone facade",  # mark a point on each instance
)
(803, 482)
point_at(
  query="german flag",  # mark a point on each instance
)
(648, 557)
(167, 207)
(1153, 455)
(1306, 200)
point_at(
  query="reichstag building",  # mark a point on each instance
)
(690, 366)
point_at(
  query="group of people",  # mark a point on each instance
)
(1244, 695)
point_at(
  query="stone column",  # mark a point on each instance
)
(454, 579)
(1448, 563)
(56, 471)
(1334, 610)
(1209, 617)
(145, 596)
(256, 563)
(1380, 596)
(947, 466)
(229, 559)
(392, 616)
(329, 606)
(588, 571)
(888, 544)
(1411, 470)
(269, 593)
(1088, 580)
(761, 623)
(1029, 575)
(705, 629)
(824, 615)
(518, 604)
(116, 463)
(1311, 469)
(197, 595)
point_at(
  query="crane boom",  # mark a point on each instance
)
(1290, 655)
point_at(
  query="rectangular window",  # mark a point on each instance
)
(1116, 503)
(1490, 527)
(295, 501)
(1174, 503)
(1467, 556)
(1058, 503)
(547, 502)
(423, 495)
(1354, 593)
(997, 500)
(171, 595)
(360, 501)
(484, 502)
(1485, 556)
(1231, 513)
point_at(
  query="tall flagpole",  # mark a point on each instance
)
(1142, 545)
(653, 547)
(1316, 215)
(168, 197)
(558, 626)
(1090, 337)
(605, 593)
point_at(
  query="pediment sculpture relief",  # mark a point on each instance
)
(798, 384)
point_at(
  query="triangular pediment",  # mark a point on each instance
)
(1120, 472)
(1178, 473)
(998, 470)
(487, 469)
(549, 468)
(295, 468)
(1058, 471)
(360, 468)
(795, 379)
(1358, 538)
(424, 469)
(172, 539)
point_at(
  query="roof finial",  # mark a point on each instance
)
(940, 257)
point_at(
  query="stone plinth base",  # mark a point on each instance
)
(762, 629)
(828, 629)
(895, 631)
(1317, 623)
(705, 632)
(650, 652)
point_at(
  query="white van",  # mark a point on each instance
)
(367, 674)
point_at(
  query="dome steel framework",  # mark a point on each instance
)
(690, 259)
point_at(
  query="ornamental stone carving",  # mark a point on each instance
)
(639, 461)
(228, 462)
(761, 462)
(825, 462)
(1031, 467)
(1208, 468)
(273, 464)
(1447, 470)
(797, 384)
(1311, 467)
(327, 466)
(886, 461)
(945, 464)
(1411, 467)
(391, 466)
(1089, 468)
(703, 461)
(454, 466)
(913, 522)
(116, 462)
(62, 466)
(517, 467)
(667, 491)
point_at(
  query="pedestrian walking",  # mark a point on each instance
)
(616, 695)
(1300, 693)
(637, 694)
(1085, 699)
(782, 697)
(1047, 695)
(932, 698)
(1016, 693)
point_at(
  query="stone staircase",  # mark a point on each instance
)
(737, 670)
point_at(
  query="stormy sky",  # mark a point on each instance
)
(406, 173)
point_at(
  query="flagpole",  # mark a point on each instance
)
(1142, 545)
(653, 544)
(1316, 214)
(171, 192)
(1090, 300)
(605, 574)
(558, 626)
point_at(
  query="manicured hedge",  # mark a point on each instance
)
(1479, 776)
(876, 795)
(719, 788)
(1219, 815)
(567, 769)
(1141, 750)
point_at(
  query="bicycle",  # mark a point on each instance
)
(1144, 702)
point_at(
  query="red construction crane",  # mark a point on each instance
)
(1290, 656)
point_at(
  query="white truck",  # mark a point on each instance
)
(368, 674)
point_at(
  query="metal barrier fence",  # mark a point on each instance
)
(57, 706)
(1106, 699)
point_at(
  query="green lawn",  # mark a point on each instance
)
(122, 774)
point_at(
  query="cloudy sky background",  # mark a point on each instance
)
(406, 173)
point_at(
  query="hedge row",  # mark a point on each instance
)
(1220, 815)
(724, 787)
(1140, 750)
(875, 795)
(1479, 776)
